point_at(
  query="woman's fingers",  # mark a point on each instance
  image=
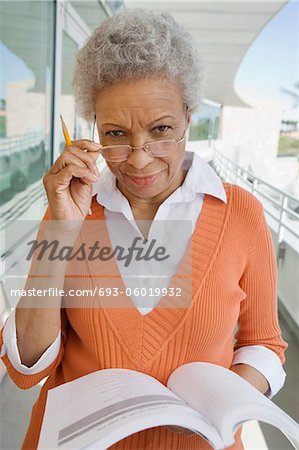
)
(74, 155)
(65, 159)
(86, 144)
(88, 148)
(68, 182)
(55, 182)
(89, 158)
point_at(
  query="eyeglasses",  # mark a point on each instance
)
(156, 149)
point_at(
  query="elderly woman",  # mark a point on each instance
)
(140, 77)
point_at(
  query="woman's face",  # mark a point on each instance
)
(137, 112)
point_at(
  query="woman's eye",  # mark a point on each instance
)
(110, 133)
(162, 128)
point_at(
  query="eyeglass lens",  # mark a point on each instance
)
(156, 149)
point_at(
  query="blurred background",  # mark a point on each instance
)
(247, 129)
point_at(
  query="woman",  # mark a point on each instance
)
(140, 77)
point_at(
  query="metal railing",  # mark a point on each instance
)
(14, 144)
(281, 208)
(21, 203)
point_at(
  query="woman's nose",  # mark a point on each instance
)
(139, 158)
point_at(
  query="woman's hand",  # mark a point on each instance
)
(182, 430)
(68, 183)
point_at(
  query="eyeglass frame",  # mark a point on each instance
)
(177, 141)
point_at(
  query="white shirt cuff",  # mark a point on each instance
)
(265, 361)
(10, 347)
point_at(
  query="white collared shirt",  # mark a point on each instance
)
(179, 212)
(185, 204)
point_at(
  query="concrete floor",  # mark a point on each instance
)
(16, 404)
(288, 397)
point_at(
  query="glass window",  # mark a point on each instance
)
(74, 35)
(26, 49)
(77, 127)
(91, 12)
(205, 123)
(116, 5)
(66, 104)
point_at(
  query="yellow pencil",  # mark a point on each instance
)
(66, 134)
(68, 141)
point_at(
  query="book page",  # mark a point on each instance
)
(106, 406)
(227, 400)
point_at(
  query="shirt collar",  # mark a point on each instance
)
(200, 179)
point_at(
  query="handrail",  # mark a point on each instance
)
(21, 143)
(281, 206)
(251, 175)
(21, 202)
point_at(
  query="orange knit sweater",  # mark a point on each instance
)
(234, 278)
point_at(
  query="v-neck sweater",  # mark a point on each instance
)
(234, 304)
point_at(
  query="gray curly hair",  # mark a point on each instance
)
(136, 44)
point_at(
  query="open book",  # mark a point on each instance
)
(101, 408)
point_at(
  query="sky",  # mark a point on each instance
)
(272, 62)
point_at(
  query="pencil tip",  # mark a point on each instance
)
(62, 121)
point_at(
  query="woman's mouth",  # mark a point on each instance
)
(144, 181)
